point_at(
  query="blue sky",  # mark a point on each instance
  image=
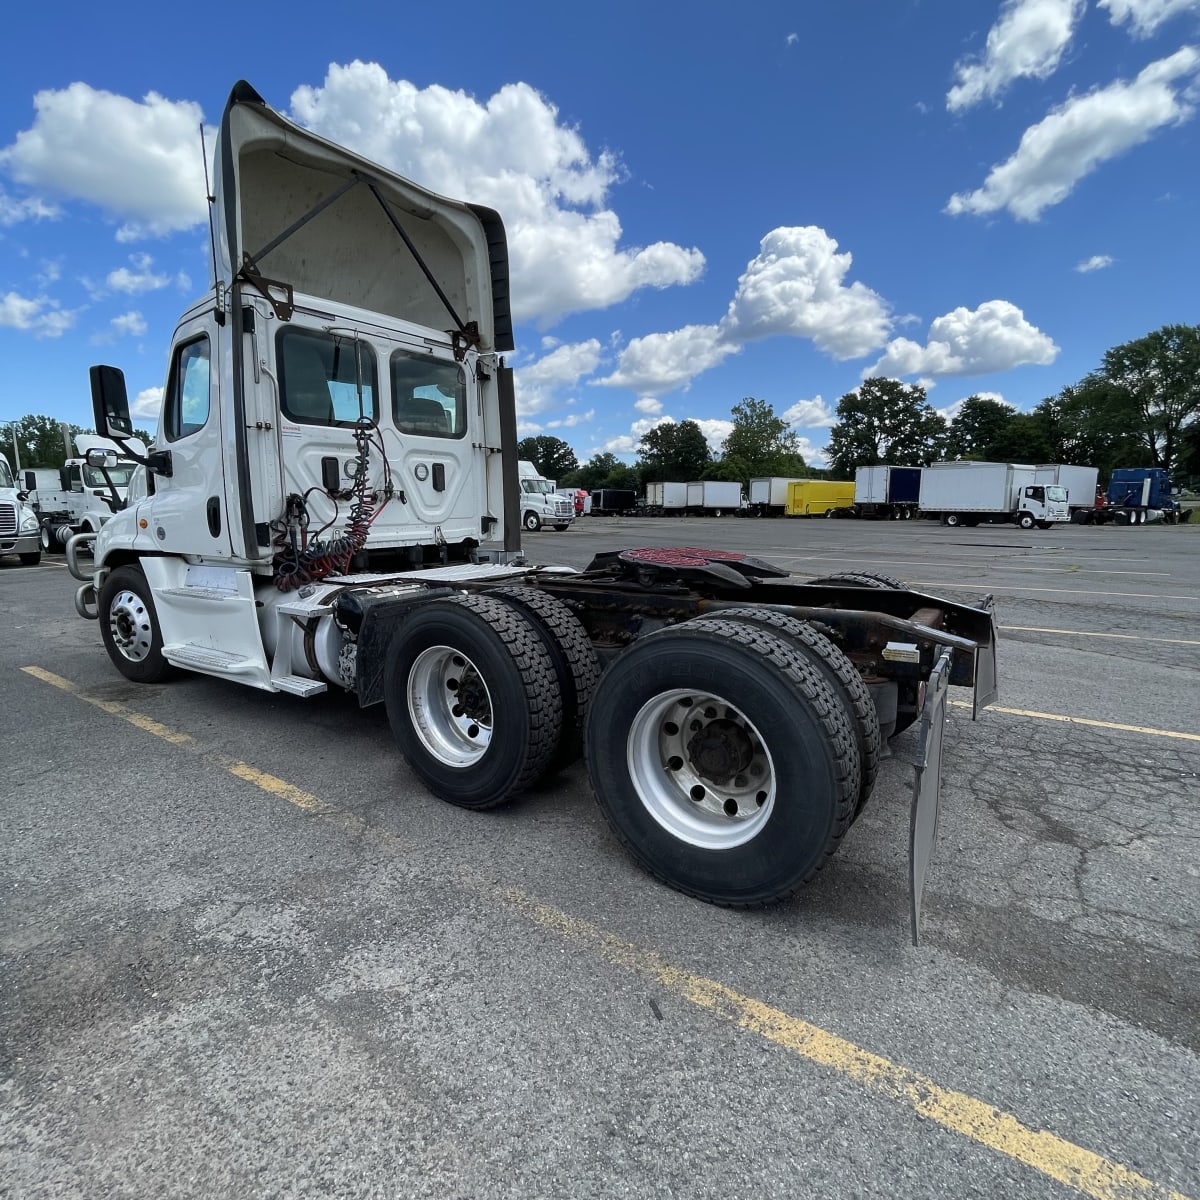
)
(703, 202)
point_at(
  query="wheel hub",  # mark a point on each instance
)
(450, 706)
(129, 623)
(701, 769)
(721, 749)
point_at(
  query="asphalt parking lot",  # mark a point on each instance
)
(244, 953)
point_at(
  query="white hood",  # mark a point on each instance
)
(271, 175)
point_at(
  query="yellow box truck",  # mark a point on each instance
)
(818, 497)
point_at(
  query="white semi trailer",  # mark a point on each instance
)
(334, 503)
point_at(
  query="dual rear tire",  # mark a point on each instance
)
(729, 754)
(724, 760)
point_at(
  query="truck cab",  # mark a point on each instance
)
(86, 495)
(18, 522)
(541, 503)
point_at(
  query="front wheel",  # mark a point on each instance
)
(472, 699)
(47, 539)
(31, 559)
(532, 522)
(1026, 521)
(723, 760)
(129, 627)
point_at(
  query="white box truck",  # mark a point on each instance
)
(974, 493)
(887, 492)
(713, 498)
(1080, 482)
(768, 496)
(666, 499)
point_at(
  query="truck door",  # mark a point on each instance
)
(259, 386)
(187, 512)
(327, 379)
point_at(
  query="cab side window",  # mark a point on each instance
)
(325, 379)
(187, 406)
(429, 396)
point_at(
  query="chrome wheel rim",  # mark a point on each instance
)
(701, 769)
(131, 626)
(450, 706)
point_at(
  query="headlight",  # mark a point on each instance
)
(29, 522)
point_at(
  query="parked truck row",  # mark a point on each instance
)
(334, 501)
(972, 493)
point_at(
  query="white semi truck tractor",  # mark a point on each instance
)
(333, 502)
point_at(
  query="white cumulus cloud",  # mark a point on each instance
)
(139, 161)
(130, 324)
(146, 403)
(514, 154)
(141, 279)
(1075, 138)
(809, 414)
(1027, 42)
(649, 406)
(1096, 263)
(38, 315)
(993, 337)
(27, 208)
(795, 287)
(539, 384)
(1144, 16)
(661, 362)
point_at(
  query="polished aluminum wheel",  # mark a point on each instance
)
(701, 769)
(132, 625)
(450, 706)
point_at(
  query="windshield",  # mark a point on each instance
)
(538, 486)
(119, 474)
(6, 479)
(1057, 494)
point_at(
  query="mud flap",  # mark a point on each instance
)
(927, 786)
(986, 690)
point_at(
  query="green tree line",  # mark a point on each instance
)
(40, 440)
(1138, 408)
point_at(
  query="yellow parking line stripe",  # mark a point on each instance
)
(1042, 716)
(1061, 1160)
(260, 779)
(1129, 637)
(983, 1123)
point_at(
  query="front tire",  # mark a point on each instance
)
(723, 760)
(47, 539)
(129, 627)
(31, 559)
(532, 522)
(471, 697)
(1026, 521)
